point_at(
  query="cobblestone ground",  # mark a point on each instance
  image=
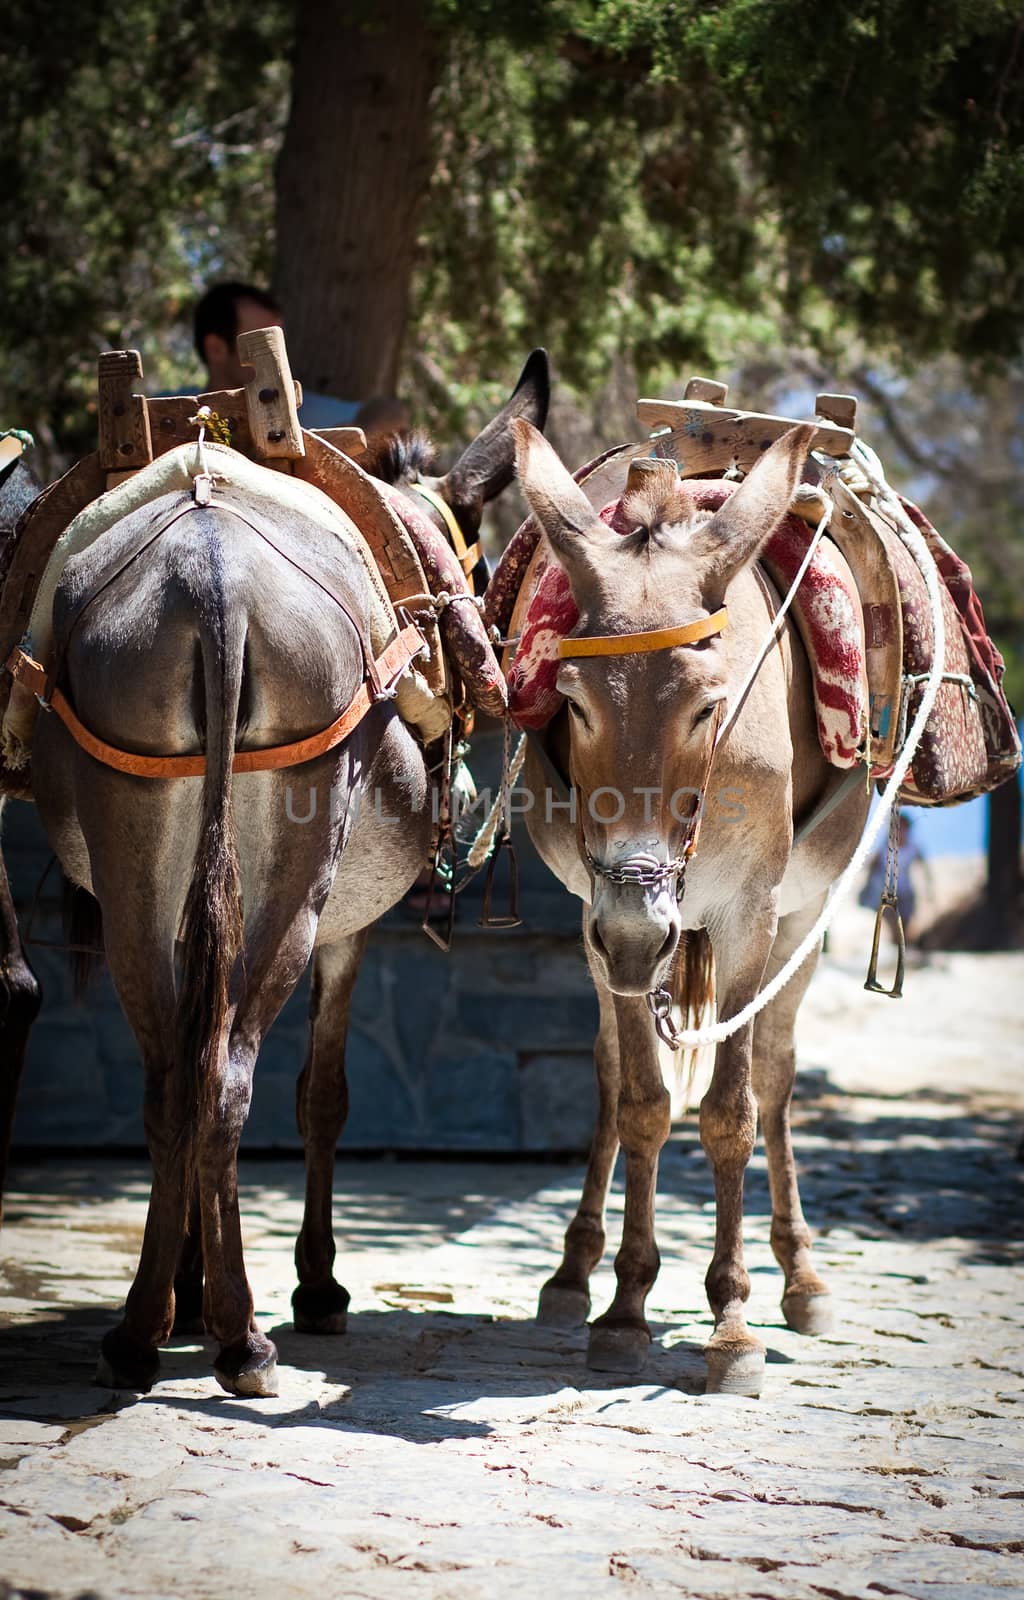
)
(446, 1447)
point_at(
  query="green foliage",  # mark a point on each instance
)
(138, 144)
(641, 184)
(673, 177)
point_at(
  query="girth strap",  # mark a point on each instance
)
(389, 666)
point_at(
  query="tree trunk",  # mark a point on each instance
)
(1003, 884)
(353, 169)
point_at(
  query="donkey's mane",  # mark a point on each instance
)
(399, 457)
(648, 511)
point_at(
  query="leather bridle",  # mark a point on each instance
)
(644, 871)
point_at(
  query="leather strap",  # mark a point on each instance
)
(389, 666)
(627, 644)
(468, 555)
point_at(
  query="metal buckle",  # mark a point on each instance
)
(659, 1004)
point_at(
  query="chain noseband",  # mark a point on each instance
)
(635, 871)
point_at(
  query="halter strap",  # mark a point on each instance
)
(468, 555)
(627, 644)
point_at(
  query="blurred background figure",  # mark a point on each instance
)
(228, 309)
(911, 855)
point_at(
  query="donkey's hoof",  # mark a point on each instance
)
(808, 1313)
(248, 1368)
(617, 1348)
(562, 1307)
(320, 1308)
(735, 1365)
(125, 1364)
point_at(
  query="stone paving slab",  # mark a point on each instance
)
(448, 1449)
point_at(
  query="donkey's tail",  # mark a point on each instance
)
(211, 931)
(693, 991)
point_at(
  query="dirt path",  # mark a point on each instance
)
(446, 1447)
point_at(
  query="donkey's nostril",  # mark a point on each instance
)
(667, 949)
(600, 948)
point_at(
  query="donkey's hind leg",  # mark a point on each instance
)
(188, 1280)
(565, 1298)
(320, 1304)
(19, 1005)
(806, 1302)
(129, 1352)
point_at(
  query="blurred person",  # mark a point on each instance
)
(910, 852)
(228, 309)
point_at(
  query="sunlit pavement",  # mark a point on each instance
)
(447, 1447)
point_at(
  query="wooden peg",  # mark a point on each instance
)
(706, 389)
(125, 442)
(270, 395)
(10, 450)
(838, 408)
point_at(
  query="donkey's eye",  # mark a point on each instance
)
(578, 714)
(704, 713)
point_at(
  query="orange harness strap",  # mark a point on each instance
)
(626, 644)
(390, 665)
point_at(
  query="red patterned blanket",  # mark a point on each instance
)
(826, 610)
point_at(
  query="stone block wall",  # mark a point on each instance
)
(487, 1049)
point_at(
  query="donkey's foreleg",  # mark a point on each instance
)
(19, 1005)
(728, 1124)
(565, 1298)
(619, 1340)
(806, 1302)
(320, 1303)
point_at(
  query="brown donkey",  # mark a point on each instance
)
(638, 741)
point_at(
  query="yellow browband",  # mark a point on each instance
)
(624, 644)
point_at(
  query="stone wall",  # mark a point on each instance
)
(488, 1049)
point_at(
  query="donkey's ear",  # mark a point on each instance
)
(487, 465)
(736, 534)
(556, 499)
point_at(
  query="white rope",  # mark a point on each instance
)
(481, 846)
(693, 1038)
(779, 618)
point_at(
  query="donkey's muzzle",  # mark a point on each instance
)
(634, 936)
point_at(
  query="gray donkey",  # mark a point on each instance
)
(640, 727)
(233, 627)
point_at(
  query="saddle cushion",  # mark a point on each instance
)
(970, 742)
(462, 629)
(176, 470)
(826, 610)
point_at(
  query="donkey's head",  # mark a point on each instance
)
(643, 712)
(484, 468)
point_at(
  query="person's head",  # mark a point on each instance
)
(224, 312)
